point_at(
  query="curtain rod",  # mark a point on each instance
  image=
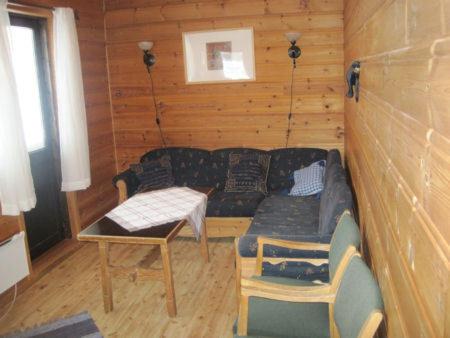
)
(26, 3)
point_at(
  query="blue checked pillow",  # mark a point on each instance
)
(308, 181)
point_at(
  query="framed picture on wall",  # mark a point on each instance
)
(219, 56)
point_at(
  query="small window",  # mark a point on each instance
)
(27, 79)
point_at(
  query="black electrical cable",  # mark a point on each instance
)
(157, 116)
(288, 131)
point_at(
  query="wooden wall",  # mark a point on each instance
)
(398, 150)
(252, 114)
(101, 196)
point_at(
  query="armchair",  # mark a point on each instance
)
(351, 308)
(344, 244)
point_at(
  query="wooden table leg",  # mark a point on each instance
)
(168, 281)
(106, 276)
(204, 243)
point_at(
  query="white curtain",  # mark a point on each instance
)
(73, 135)
(16, 183)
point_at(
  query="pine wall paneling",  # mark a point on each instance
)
(249, 114)
(397, 144)
(101, 196)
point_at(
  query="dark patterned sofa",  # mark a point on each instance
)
(228, 213)
(253, 214)
(305, 219)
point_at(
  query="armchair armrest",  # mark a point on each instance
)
(293, 244)
(287, 293)
(286, 244)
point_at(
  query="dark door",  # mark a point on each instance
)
(46, 223)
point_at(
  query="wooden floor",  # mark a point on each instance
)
(205, 293)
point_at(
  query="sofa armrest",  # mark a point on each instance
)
(127, 183)
(123, 194)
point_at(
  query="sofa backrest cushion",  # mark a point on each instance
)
(247, 173)
(334, 201)
(190, 166)
(154, 174)
(285, 161)
(219, 163)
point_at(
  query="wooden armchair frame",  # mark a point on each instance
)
(297, 294)
(323, 293)
(351, 250)
(307, 246)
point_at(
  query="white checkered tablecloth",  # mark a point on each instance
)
(158, 207)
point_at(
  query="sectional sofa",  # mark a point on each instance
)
(248, 215)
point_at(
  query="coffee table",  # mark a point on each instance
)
(106, 231)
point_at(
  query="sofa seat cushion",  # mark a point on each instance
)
(233, 204)
(285, 217)
(271, 318)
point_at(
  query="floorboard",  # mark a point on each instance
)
(204, 292)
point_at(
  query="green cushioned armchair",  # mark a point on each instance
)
(344, 244)
(352, 308)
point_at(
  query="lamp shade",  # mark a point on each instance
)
(145, 45)
(292, 37)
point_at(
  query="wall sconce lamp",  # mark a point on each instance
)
(149, 58)
(294, 51)
(353, 80)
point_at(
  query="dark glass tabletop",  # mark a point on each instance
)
(105, 227)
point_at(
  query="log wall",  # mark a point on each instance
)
(249, 114)
(100, 197)
(398, 151)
